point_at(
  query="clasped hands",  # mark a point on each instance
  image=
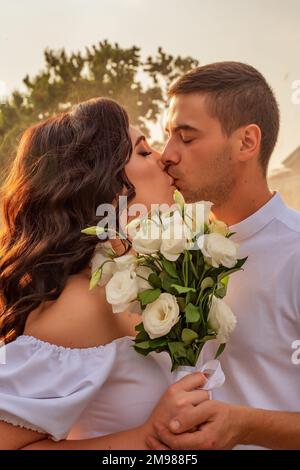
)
(186, 419)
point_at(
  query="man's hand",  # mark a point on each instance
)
(178, 398)
(219, 426)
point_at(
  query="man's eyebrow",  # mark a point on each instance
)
(139, 139)
(182, 127)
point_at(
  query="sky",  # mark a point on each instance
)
(263, 33)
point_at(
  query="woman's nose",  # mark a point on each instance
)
(157, 156)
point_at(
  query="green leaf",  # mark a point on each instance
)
(170, 268)
(188, 336)
(148, 296)
(240, 263)
(167, 283)
(93, 230)
(144, 352)
(207, 282)
(158, 343)
(189, 297)
(201, 314)
(182, 289)
(192, 313)
(177, 349)
(221, 290)
(220, 350)
(225, 281)
(191, 356)
(96, 276)
(155, 280)
(175, 333)
(142, 336)
(143, 345)
(139, 327)
(228, 272)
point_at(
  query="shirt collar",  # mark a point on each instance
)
(257, 221)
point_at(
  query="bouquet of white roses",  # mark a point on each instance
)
(176, 277)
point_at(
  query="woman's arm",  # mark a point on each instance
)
(74, 322)
(13, 437)
(133, 439)
(180, 396)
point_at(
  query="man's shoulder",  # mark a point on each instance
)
(291, 219)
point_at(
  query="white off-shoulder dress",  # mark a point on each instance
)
(79, 393)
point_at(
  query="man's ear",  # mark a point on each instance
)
(249, 142)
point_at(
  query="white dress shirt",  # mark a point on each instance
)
(258, 361)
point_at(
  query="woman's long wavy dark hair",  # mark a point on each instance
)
(65, 168)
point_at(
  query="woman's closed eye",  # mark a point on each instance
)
(145, 153)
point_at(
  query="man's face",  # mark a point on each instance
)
(198, 155)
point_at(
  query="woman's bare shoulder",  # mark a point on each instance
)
(79, 318)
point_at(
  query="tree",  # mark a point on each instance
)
(102, 70)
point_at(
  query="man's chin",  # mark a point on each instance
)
(189, 196)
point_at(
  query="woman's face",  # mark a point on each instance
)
(146, 172)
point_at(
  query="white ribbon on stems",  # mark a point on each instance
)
(211, 369)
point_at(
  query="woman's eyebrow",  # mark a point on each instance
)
(139, 139)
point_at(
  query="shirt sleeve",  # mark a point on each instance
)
(45, 388)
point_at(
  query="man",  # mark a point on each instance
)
(223, 124)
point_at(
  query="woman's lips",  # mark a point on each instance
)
(172, 181)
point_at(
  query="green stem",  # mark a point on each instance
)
(194, 269)
(185, 269)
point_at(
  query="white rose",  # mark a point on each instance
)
(174, 237)
(144, 272)
(161, 315)
(125, 261)
(218, 250)
(100, 257)
(172, 249)
(217, 226)
(147, 239)
(221, 319)
(121, 290)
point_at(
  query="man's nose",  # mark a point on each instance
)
(170, 155)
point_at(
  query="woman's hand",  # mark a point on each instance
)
(184, 394)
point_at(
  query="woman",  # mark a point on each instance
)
(70, 369)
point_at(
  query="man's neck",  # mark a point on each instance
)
(242, 203)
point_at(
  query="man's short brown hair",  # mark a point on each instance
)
(237, 95)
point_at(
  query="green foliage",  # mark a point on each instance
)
(105, 70)
(187, 337)
(220, 350)
(96, 276)
(148, 296)
(192, 313)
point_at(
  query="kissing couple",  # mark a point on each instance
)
(72, 379)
